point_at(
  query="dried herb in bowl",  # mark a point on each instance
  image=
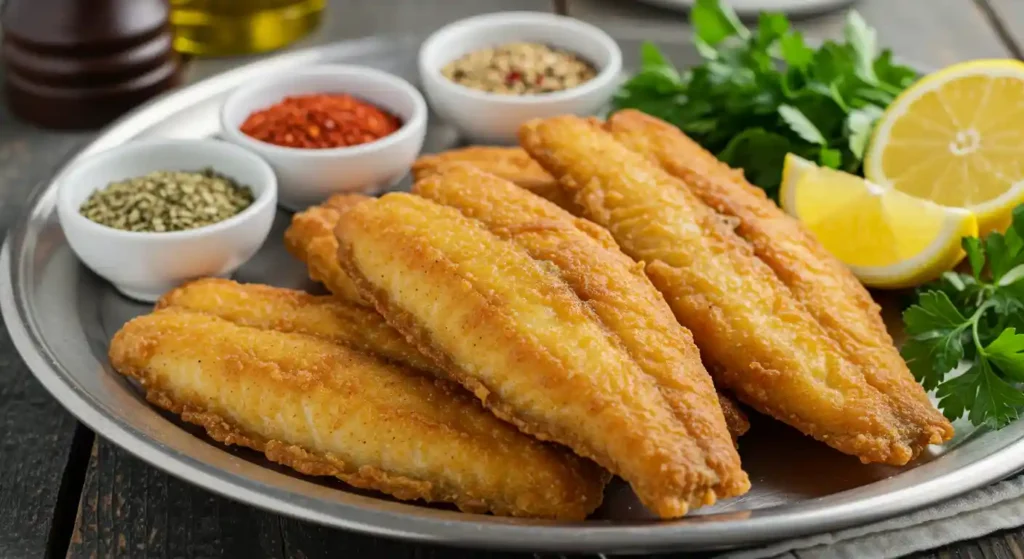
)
(165, 201)
(520, 69)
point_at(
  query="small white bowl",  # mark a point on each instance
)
(495, 118)
(143, 265)
(309, 176)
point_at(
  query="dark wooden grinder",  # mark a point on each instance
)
(81, 63)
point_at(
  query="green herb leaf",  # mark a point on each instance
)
(859, 125)
(766, 87)
(897, 76)
(934, 311)
(975, 254)
(936, 330)
(651, 58)
(996, 402)
(770, 27)
(974, 319)
(801, 124)
(1007, 353)
(863, 41)
(794, 52)
(831, 158)
(715, 22)
(1018, 221)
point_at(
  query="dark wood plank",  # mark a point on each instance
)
(129, 509)
(1008, 544)
(1008, 17)
(36, 434)
(931, 33)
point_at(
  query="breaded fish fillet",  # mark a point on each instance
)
(515, 165)
(616, 288)
(817, 279)
(773, 354)
(328, 410)
(510, 163)
(509, 329)
(310, 238)
(286, 310)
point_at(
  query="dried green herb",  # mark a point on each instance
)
(166, 201)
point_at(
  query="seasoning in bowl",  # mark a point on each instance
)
(320, 121)
(166, 201)
(520, 69)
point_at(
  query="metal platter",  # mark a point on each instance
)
(61, 316)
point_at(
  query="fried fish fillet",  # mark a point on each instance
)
(510, 330)
(310, 238)
(773, 354)
(612, 284)
(817, 279)
(273, 308)
(327, 410)
(510, 163)
(515, 165)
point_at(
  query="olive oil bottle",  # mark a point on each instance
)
(225, 27)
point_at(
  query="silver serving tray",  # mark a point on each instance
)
(61, 316)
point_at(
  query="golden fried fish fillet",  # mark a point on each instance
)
(817, 279)
(310, 238)
(510, 163)
(510, 330)
(772, 353)
(327, 410)
(612, 284)
(274, 308)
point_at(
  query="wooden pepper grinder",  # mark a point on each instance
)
(81, 63)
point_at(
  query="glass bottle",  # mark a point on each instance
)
(226, 27)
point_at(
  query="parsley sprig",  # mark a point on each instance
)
(761, 93)
(966, 331)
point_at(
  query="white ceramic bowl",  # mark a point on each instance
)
(144, 266)
(309, 176)
(495, 118)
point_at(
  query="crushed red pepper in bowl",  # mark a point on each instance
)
(320, 121)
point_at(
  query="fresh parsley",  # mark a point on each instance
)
(761, 93)
(966, 331)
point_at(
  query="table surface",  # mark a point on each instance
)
(64, 491)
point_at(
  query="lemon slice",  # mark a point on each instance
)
(888, 239)
(957, 138)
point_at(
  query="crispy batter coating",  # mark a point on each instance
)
(773, 354)
(510, 163)
(310, 238)
(510, 330)
(286, 310)
(817, 279)
(515, 165)
(327, 410)
(612, 284)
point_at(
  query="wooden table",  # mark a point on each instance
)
(64, 491)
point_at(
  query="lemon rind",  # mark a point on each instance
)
(940, 255)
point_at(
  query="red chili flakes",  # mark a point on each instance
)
(320, 121)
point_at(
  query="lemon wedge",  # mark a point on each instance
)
(888, 239)
(956, 138)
